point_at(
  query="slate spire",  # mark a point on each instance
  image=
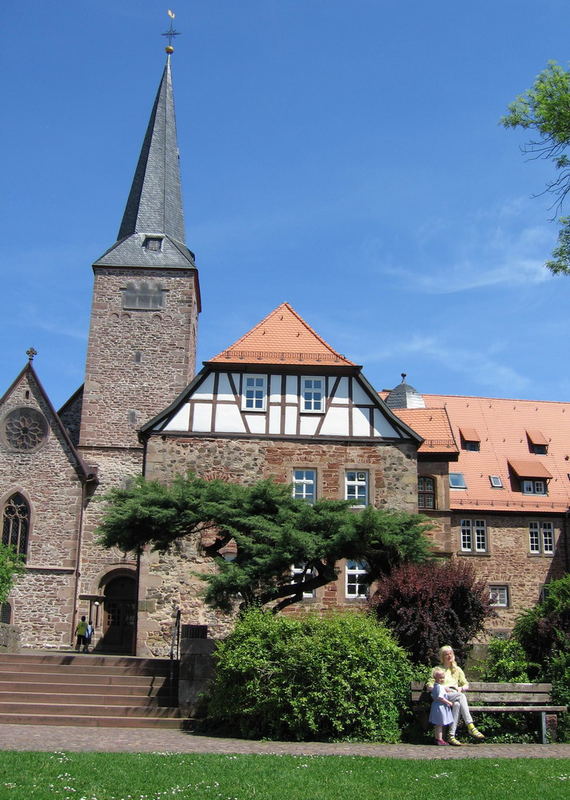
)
(155, 199)
(154, 206)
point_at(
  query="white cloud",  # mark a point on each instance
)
(481, 367)
(493, 248)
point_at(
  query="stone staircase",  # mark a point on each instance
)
(69, 688)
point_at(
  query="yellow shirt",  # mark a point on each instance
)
(453, 677)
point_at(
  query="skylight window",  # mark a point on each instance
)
(457, 480)
(496, 481)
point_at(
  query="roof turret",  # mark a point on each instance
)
(404, 396)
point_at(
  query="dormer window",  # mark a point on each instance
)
(533, 476)
(537, 442)
(533, 487)
(153, 243)
(470, 439)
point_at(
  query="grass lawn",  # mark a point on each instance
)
(158, 776)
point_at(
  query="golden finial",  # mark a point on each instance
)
(170, 33)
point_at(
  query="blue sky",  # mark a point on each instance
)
(345, 157)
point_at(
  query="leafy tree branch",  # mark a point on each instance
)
(544, 109)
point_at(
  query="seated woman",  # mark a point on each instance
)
(456, 684)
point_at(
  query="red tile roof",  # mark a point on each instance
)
(283, 337)
(433, 426)
(502, 426)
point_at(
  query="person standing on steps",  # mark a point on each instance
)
(81, 632)
(88, 636)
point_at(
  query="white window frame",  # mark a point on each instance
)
(299, 569)
(499, 596)
(352, 487)
(496, 481)
(459, 479)
(310, 404)
(531, 486)
(257, 399)
(354, 587)
(304, 480)
(473, 536)
(541, 537)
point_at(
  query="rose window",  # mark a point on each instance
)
(25, 428)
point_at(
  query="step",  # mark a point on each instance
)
(100, 679)
(81, 666)
(70, 709)
(94, 658)
(109, 690)
(106, 699)
(93, 721)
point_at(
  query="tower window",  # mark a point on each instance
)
(145, 295)
(153, 243)
(16, 523)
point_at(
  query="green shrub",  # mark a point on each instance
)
(506, 661)
(545, 628)
(558, 672)
(310, 677)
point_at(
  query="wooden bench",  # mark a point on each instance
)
(508, 698)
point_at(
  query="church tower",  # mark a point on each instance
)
(146, 298)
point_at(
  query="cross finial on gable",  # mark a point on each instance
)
(31, 352)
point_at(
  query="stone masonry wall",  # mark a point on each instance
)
(509, 562)
(169, 582)
(137, 360)
(48, 480)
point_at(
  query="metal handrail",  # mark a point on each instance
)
(175, 639)
(174, 652)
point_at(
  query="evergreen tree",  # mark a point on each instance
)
(270, 530)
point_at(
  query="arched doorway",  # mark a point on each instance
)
(119, 615)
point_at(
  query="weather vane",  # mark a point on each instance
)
(170, 33)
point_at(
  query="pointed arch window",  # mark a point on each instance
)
(6, 613)
(16, 523)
